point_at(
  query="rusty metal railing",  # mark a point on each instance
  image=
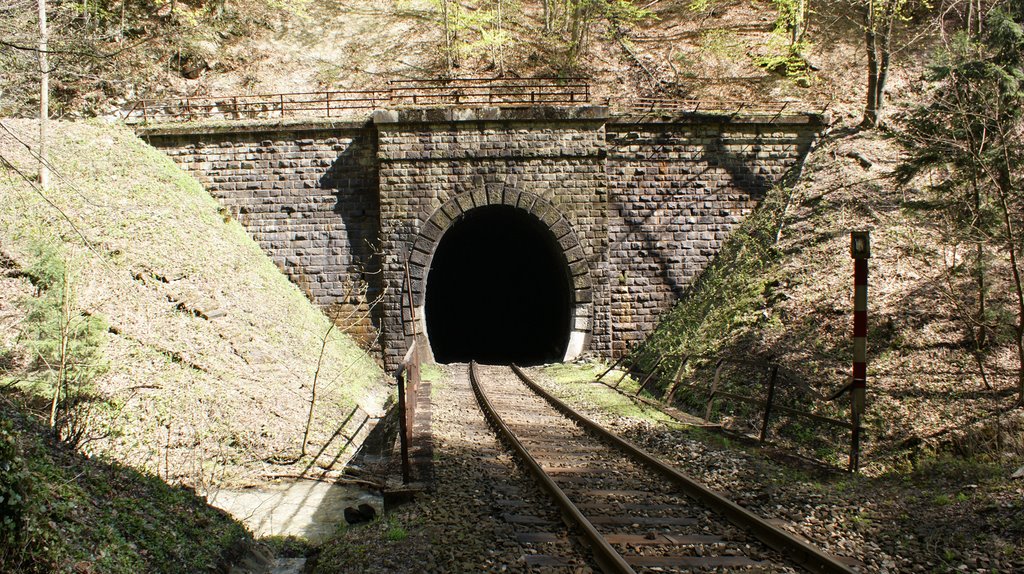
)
(686, 106)
(408, 377)
(512, 92)
(767, 402)
(681, 106)
(257, 106)
(483, 91)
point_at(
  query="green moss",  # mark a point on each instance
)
(728, 300)
(431, 372)
(78, 514)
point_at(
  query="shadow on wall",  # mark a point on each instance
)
(647, 226)
(353, 179)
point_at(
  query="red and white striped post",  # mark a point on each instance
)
(860, 250)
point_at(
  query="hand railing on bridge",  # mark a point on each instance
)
(512, 92)
(687, 106)
(482, 91)
(681, 106)
(258, 106)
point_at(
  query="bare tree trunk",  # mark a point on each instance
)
(312, 394)
(62, 368)
(1004, 186)
(878, 40)
(44, 97)
(449, 64)
(500, 59)
(871, 41)
(547, 16)
(799, 15)
(979, 272)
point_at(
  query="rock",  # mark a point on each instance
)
(358, 515)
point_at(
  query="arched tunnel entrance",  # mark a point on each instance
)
(498, 290)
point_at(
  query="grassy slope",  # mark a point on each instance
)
(202, 402)
(792, 300)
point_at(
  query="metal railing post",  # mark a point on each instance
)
(769, 400)
(647, 379)
(671, 394)
(403, 423)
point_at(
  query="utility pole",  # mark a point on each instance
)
(44, 96)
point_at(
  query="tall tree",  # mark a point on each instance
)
(971, 129)
(879, 21)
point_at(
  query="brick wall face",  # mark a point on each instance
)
(676, 190)
(309, 198)
(639, 208)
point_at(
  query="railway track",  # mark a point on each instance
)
(634, 512)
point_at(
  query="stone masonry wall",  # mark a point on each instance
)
(638, 206)
(677, 188)
(460, 161)
(308, 197)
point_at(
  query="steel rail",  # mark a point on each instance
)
(806, 555)
(610, 561)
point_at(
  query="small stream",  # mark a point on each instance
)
(307, 509)
(304, 508)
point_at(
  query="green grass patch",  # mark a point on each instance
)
(575, 384)
(430, 372)
(395, 532)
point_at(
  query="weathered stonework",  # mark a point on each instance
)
(308, 197)
(677, 187)
(638, 206)
(432, 169)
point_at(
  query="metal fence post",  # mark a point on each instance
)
(671, 394)
(769, 400)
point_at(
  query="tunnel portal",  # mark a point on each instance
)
(498, 291)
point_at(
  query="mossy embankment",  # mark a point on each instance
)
(64, 512)
(191, 358)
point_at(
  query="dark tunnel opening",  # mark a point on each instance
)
(498, 291)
